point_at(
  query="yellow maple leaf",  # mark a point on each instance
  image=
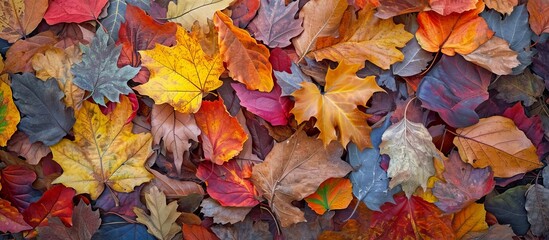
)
(105, 151)
(368, 38)
(180, 75)
(336, 109)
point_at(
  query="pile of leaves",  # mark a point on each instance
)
(262, 119)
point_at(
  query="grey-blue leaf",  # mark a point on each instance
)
(290, 82)
(545, 175)
(98, 72)
(415, 58)
(515, 30)
(44, 117)
(383, 77)
(115, 17)
(370, 182)
(116, 14)
(538, 213)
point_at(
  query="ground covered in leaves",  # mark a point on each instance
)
(274, 119)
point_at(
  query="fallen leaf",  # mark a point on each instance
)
(336, 107)
(56, 202)
(102, 79)
(187, 12)
(509, 208)
(539, 20)
(541, 62)
(370, 182)
(10, 219)
(502, 6)
(445, 7)
(175, 129)
(515, 30)
(229, 184)
(525, 87)
(120, 203)
(248, 229)
(9, 115)
(115, 227)
(56, 63)
(410, 218)
(16, 182)
(221, 214)
(32, 152)
(498, 143)
(349, 231)
(290, 82)
(368, 39)
(246, 60)
(141, 32)
(33, 96)
(494, 55)
(19, 54)
(321, 18)
(270, 106)
(222, 136)
(208, 40)
(67, 11)
(462, 184)
(173, 188)
(197, 232)
(161, 220)
(470, 219)
(437, 90)
(20, 17)
(391, 8)
(85, 224)
(531, 126)
(243, 11)
(411, 149)
(538, 213)
(116, 12)
(455, 33)
(285, 175)
(274, 24)
(104, 152)
(180, 75)
(496, 231)
(311, 228)
(415, 58)
(332, 194)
